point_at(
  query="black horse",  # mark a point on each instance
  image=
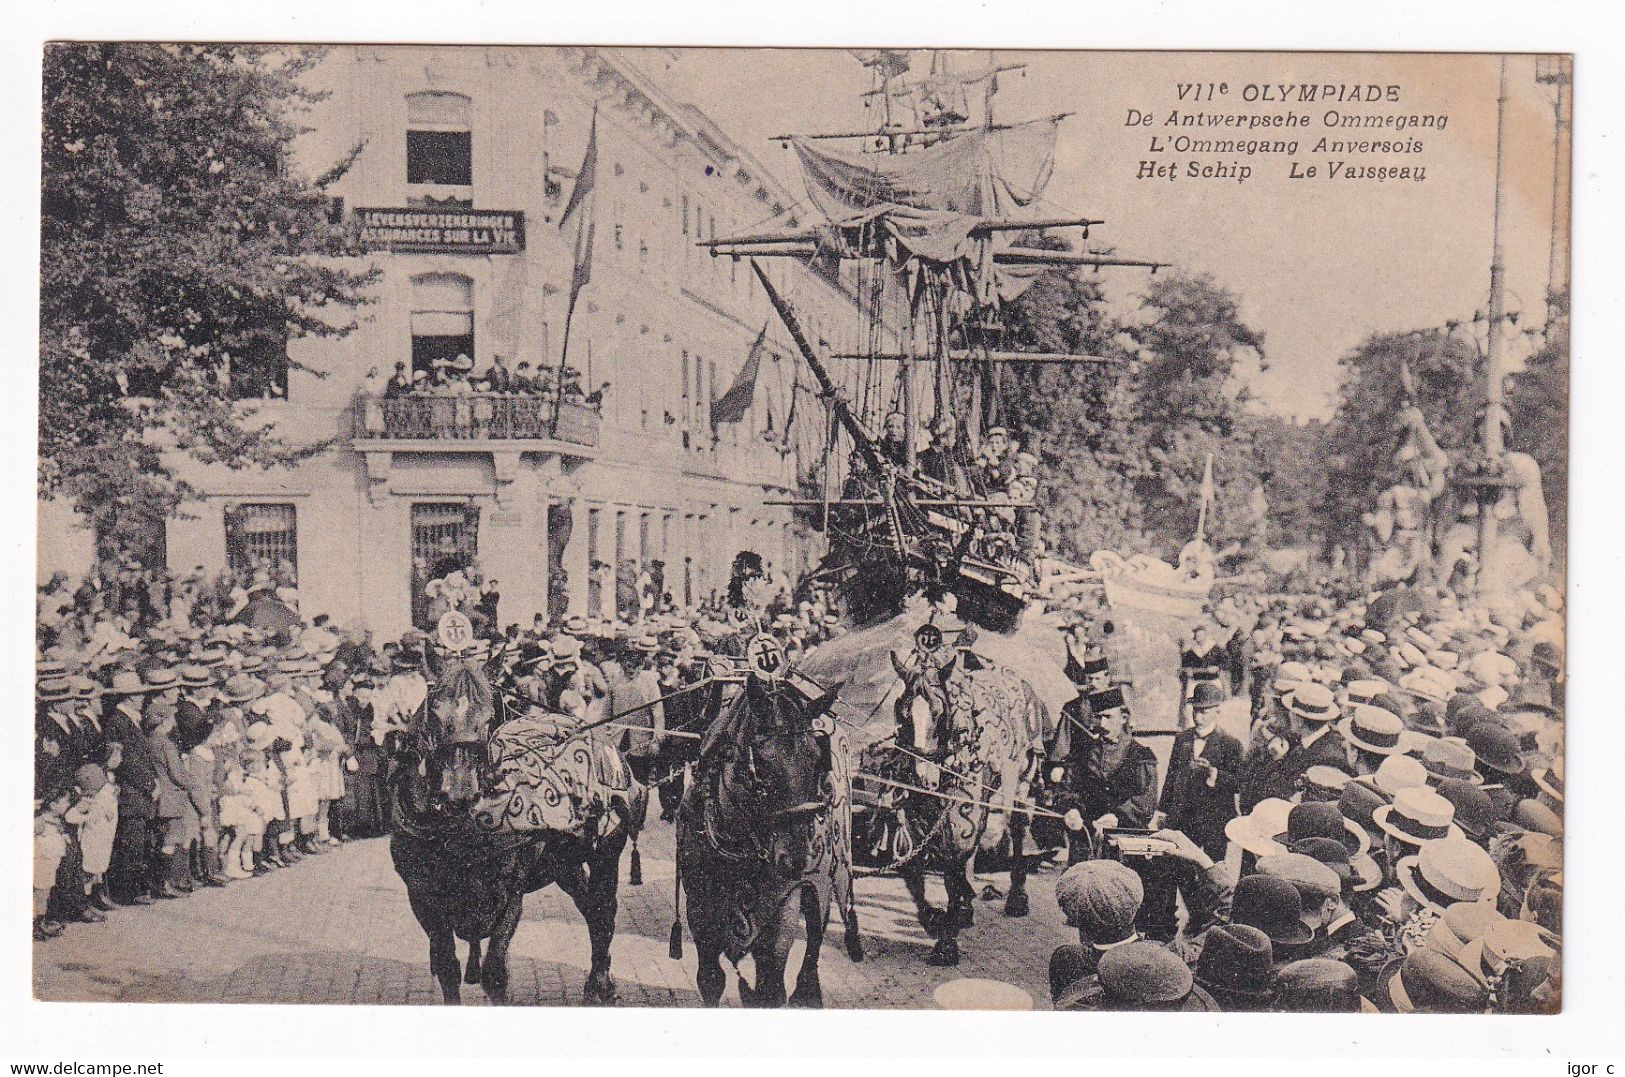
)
(763, 841)
(467, 879)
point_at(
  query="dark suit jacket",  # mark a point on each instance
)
(1265, 777)
(1187, 800)
(1129, 791)
(137, 772)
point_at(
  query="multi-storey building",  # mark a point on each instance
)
(468, 158)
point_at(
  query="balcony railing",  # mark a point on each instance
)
(475, 417)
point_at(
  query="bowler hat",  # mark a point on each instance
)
(1316, 985)
(1429, 982)
(1236, 966)
(127, 682)
(1459, 925)
(1497, 747)
(1531, 696)
(1417, 815)
(1450, 757)
(1535, 816)
(1449, 870)
(1315, 882)
(1206, 695)
(1146, 976)
(1321, 819)
(1475, 811)
(1273, 906)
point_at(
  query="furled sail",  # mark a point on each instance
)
(928, 202)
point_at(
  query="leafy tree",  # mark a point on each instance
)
(1122, 459)
(1365, 431)
(1188, 404)
(1539, 407)
(180, 251)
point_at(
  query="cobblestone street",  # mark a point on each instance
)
(337, 929)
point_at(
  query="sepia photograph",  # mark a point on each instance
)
(850, 528)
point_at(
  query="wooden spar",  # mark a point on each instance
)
(989, 357)
(775, 250)
(890, 132)
(1054, 258)
(826, 387)
(924, 503)
(992, 224)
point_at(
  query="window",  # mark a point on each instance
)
(442, 319)
(445, 539)
(439, 140)
(263, 538)
(595, 579)
(688, 412)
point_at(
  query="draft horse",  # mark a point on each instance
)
(470, 839)
(973, 734)
(763, 841)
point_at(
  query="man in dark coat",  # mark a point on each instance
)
(1116, 786)
(1276, 767)
(1204, 774)
(130, 876)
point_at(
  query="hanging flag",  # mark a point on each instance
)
(731, 406)
(579, 210)
(586, 179)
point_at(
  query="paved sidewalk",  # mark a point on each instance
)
(337, 929)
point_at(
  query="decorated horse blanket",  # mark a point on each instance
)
(549, 777)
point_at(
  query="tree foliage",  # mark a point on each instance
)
(1539, 405)
(1122, 461)
(180, 251)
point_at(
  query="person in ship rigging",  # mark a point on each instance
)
(894, 438)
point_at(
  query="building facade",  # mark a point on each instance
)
(467, 160)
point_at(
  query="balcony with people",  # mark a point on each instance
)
(449, 403)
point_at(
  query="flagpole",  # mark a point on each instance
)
(1207, 493)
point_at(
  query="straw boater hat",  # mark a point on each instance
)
(1312, 703)
(1449, 870)
(85, 688)
(127, 682)
(1507, 942)
(53, 690)
(1321, 782)
(1399, 772)
(193, 676)
(1375, 730)
(241, 688)
(1417, 816)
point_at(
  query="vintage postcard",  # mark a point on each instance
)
(849, 528)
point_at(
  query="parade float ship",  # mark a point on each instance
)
(939, 218)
